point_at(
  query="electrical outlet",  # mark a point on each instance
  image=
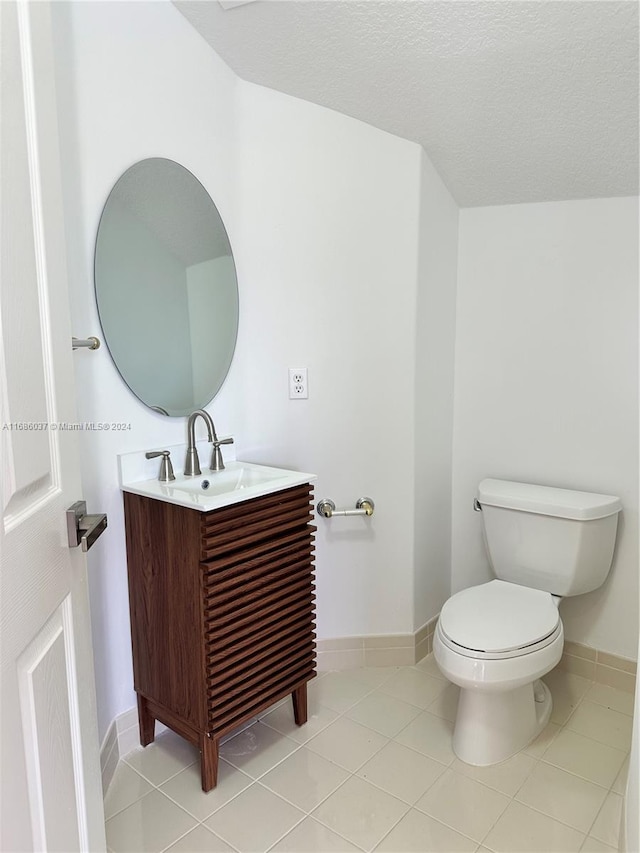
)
(298, 383)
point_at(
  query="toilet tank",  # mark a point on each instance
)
(556, 540)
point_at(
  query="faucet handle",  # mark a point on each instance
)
(217, 462)
(166, 474)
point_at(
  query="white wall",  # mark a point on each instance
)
(322, 213)
(328, 282)
(134, 80)
(435, 342)
(546, 385)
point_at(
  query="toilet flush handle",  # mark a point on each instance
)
(476, 505)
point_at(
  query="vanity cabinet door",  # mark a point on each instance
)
(222, 614)
(258, 604)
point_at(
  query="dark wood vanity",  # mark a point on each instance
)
(222, 610)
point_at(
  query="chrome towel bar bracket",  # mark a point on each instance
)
(327, 508)
(88, 343)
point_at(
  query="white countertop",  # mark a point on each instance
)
(239, 481)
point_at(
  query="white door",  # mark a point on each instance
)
(51, 797)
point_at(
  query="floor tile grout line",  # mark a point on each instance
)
(598, 815)
(312, 736)
(557, 819)
(494, 790)
(132, 803)
(360, 766)
(258, 780)
(601, 742)
(377, 688)
(536, 762)
(401, 818)
(423, 754)
(469, 778)
(226, 841)
(344, 711)
(512, 797)
(386, 695)
(354, 774)
(603, 704)
(298, 746)
(217, 808)
(495, 823)
(417, 752)
(414, 704)
(310, 813)
(175, 841)
(586, 737)
(397, 796)
(459, 831)
(389, 739)
(164, 781)
(182, 808)
(230, 800)
(327, 826)
(372, 689)
(131, 767)
(284, 835)
(578, 776)
(154, 787)
(168, 779)
(437, 820)
(305, 745)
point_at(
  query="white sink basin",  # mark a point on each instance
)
(240, 481)
(235, 476)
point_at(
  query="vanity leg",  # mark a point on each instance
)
(299, 699)
(209, 762)
(146, 722)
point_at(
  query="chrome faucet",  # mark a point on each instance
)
(192, 463)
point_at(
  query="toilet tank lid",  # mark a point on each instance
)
(547, 500)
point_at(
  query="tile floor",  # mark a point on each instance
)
(373, 769)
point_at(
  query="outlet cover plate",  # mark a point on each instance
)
(298, 383)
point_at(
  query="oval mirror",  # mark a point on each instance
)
(166, 287)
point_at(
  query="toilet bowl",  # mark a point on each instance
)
(496, 640)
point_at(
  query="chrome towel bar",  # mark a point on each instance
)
(327, 508)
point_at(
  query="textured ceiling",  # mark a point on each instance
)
(513, 101)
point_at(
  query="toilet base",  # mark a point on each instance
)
(492, 726)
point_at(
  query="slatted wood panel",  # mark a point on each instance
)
(256, 521)
(258, 604)
(222, 613)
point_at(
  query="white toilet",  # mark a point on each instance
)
(497, 639)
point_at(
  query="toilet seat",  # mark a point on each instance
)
(499, 620)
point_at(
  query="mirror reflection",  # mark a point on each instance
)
(166, 287)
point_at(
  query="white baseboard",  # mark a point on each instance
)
(121, 738)
(376, 650)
